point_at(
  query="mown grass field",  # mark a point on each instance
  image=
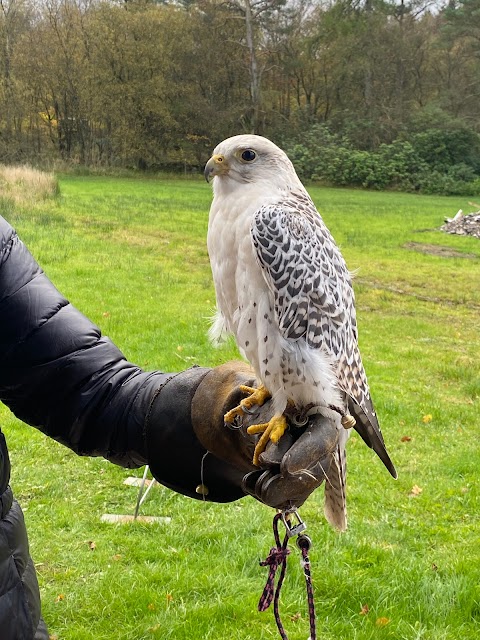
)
(131, 254)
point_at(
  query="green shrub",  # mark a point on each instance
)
(440, 149)
(450, 183)
(433, 161)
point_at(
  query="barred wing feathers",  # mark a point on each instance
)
(314, 299)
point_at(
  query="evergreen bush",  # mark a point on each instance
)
(432, 161)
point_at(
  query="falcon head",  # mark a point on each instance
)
(248, 159)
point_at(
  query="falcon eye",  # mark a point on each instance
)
(248, 155)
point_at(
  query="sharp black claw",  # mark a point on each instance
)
(249, 412)
(236, 424)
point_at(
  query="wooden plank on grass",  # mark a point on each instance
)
(115, 518)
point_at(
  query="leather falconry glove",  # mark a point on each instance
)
(290, 470)
(190, 449)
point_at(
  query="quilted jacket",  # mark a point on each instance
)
(60, 375)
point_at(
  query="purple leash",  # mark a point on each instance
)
(278, 557)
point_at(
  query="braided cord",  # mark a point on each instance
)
(276, 558)
(304, 545)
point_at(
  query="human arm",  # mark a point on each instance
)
(59, 374)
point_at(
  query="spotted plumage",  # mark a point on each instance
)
(284, 291)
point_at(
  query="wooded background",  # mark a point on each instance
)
(368, 92)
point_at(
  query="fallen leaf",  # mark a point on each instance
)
(54, 637)
(117, 557)
(434, 567)
(295, 617)
(428, 418)
(106, 314)
(416, 490)
(382, 622)
(60, 597)
(92, 545)
(406, 439)
(169, 598)
(364, 610)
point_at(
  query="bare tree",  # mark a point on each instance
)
(13, 20)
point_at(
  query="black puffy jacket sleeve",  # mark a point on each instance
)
(59, 374)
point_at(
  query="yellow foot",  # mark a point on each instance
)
(272, 430)
(257, 397)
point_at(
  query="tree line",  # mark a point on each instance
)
(348, 87)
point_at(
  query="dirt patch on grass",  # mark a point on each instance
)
(438, 250)
(371, 284)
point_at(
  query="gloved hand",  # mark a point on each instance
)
(290, 470)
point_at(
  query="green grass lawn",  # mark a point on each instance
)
(131, 255)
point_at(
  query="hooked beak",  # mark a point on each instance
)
(216, 166)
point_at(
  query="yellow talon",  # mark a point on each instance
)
(272, 430)
(257, 397)
(229, 417)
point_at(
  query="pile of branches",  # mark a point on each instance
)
(462, 225)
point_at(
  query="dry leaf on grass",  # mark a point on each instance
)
(364, 610)
(382, 622)
(415, 491)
